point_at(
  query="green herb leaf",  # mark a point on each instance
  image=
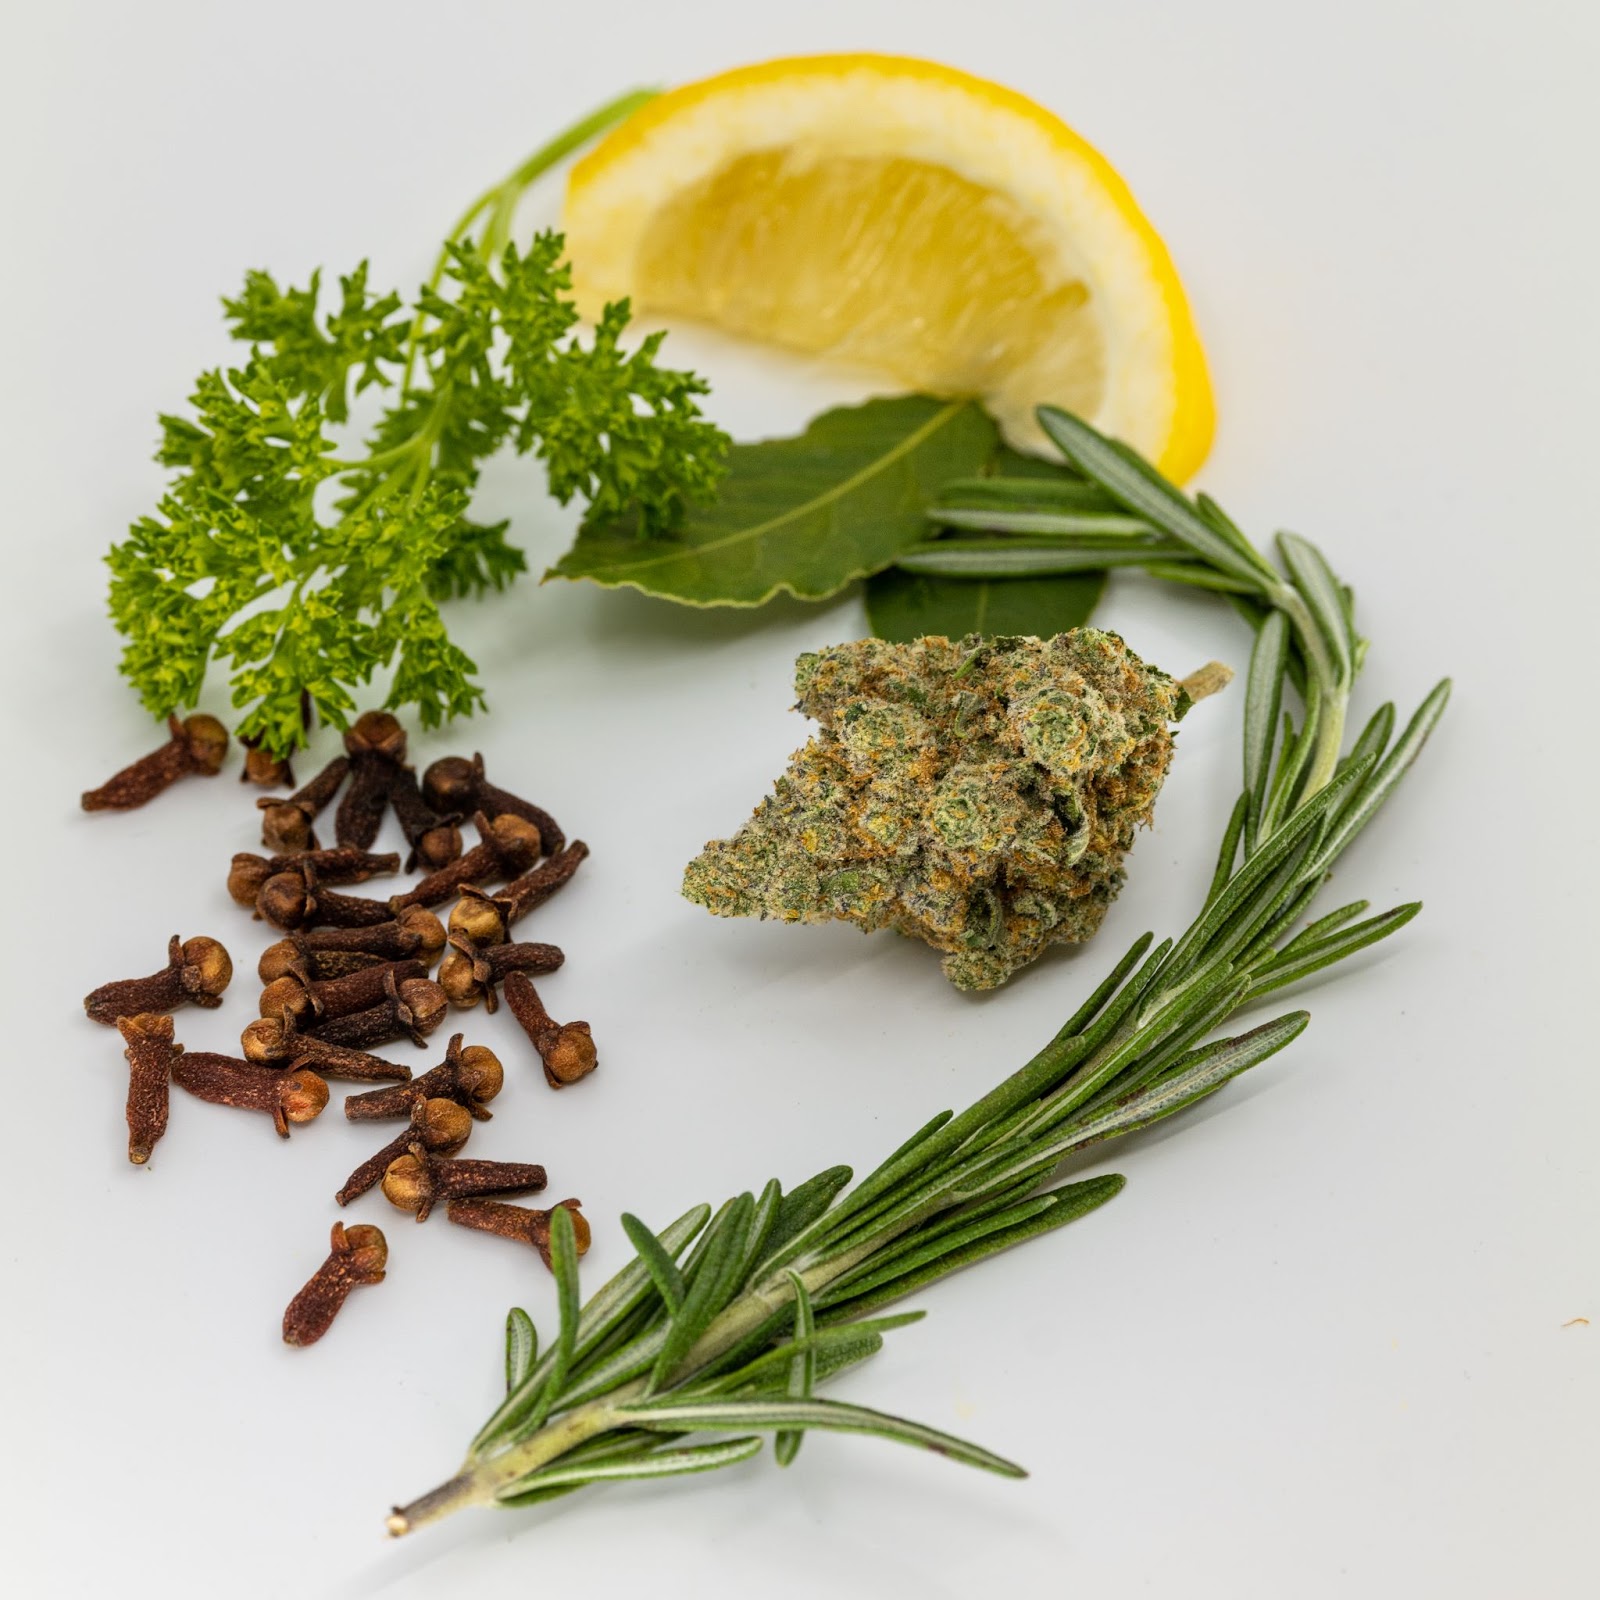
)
(1138, 486)
(996, 585)
(657, 1262)
(1300, 960)
(779, 1415)
(802, 1369)
(564, 1264)
(802, 1206)
(1066, 1205)
(1262, 704)
(772, 1370)
(803, 516)
(630, 1464)
(522, 1347)
(909, 605)
(711, 1280)
(242, 562)
(608, 1310)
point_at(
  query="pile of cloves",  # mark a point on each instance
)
(353, 973)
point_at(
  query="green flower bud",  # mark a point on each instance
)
(977, 794)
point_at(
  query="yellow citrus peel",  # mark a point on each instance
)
(908, 217)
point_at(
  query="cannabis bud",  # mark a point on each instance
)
(977, 794)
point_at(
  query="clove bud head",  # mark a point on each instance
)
(284, 899)
(267, 1042)
(478, 919)
(304, 1096)
(207, 740)
(285, 830)
(406, 1184)
(426, 1001)
(572, 1056)
(247, 876)
(378, 731)
(438, 847)
(428, 929)
(207, 967)
(287, 999)
(516, 836)
(441, 1126)
(451, 785)
(459, 979)
(280, 960)
(479, 1073)
(367, 1253)
(263, 768)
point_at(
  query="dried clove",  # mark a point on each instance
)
(197, 744)
(470, 1077)
(283, 960)
(435, 840)
(411, 1009)
(519, 1222)
(286, 824)
(271, 1042)
(303, 1000)
(286, 1094)
(479, 918)
(509, 845)
(376, 744)
(196, 973)
(419, 1180)
(296, 899)
(356, 1255)
(456, 785)
(487, 919)
(417, 933)
(565, 1048)
(468, 974)
(249, 872)
(151, 1052)
(437, 1125)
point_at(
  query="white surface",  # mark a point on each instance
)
(1319, 1346)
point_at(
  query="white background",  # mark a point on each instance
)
(1324, 1344)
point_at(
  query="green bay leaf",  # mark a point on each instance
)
(910, 605)
(806, 515)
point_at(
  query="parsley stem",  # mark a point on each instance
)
(501, 200)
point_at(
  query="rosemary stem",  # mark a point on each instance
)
(478, 1484)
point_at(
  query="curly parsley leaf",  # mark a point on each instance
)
(305, 593)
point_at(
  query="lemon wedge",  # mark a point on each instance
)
(906, 216)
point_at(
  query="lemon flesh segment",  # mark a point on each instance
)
(895, 212)
(894, 263)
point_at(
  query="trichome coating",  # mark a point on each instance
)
(977, 794)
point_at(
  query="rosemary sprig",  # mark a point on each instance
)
(728, 1322)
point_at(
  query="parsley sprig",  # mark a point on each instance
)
(307, 571)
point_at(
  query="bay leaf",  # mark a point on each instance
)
(908, 605)
(805, 515)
